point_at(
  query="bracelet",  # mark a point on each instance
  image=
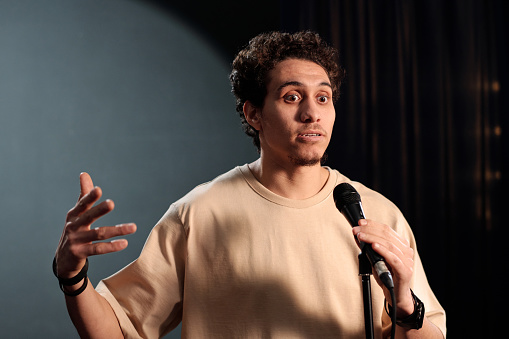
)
(414, 320)
(82, 275)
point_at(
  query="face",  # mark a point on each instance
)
(296, 120)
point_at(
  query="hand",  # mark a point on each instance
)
(398, 256)
(77, 240)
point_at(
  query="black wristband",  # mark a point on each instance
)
(414, 320)
(78, 291)
(82, 275)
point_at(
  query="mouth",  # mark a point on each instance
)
(311, 134)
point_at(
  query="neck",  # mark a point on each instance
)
(290, 181)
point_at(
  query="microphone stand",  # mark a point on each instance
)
(365, 272)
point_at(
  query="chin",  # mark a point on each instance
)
(308, 161)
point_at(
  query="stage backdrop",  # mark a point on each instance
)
(121, 89)
(423, 119)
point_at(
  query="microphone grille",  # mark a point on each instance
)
(345, 194)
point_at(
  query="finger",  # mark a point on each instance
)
(104, 233)
(396, 257)
(99, 248)
(399, 259)
(91, 215)
(86, 184)
(372, 238)
(377, 232)
(393, 256)
(85, 202)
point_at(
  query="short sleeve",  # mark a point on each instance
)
(146, 295)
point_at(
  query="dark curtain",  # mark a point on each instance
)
(421, 119)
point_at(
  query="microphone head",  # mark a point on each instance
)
(344, 194)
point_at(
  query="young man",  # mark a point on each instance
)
(260, 251)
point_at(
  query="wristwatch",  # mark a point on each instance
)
(414, 320)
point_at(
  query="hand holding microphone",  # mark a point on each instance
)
(348, 202)
(383, 246)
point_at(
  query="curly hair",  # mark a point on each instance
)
(253, 63)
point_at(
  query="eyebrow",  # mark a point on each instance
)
(300, 84)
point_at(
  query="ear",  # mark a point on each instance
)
(252, 115)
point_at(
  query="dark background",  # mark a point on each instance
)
(136, 93)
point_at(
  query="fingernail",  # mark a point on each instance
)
(120, 241)
(129, 227)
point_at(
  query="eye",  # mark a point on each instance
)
(291, 97)
(323, 99)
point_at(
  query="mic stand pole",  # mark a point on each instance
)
(365, 272)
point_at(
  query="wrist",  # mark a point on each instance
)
(73, 289)
(65, 267)
(405, 306)
(70, 286)
(415, 319)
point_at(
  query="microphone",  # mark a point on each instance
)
(348, 202)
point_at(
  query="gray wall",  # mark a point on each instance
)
(116, 88)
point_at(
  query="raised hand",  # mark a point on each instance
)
(78, 240)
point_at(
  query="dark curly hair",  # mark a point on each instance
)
(252, 64)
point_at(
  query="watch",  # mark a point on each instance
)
(414, 320)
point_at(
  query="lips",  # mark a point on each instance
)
(311, 136)
(312, 133)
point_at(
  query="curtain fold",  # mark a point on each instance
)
(421, 119)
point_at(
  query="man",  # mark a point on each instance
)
(260, 251)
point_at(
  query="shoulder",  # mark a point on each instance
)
(376, 206)
(376, 201)
(218, 192)
(379, 208)
(225, 183)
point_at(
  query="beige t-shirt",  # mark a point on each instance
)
(231, 259)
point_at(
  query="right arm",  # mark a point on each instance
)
(90, 313)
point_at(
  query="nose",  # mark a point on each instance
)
(309, 111)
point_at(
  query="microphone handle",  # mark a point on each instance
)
(354, 213)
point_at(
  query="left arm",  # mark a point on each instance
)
(399, 256)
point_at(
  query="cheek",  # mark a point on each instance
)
(277, 122)
(332, 119)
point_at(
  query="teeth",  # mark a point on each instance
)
(312, 135)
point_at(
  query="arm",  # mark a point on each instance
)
(399, 256)
(428, 330)
(91, 313)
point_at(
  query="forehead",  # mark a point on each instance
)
(306, 72)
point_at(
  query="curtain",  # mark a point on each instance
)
(421, 119)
